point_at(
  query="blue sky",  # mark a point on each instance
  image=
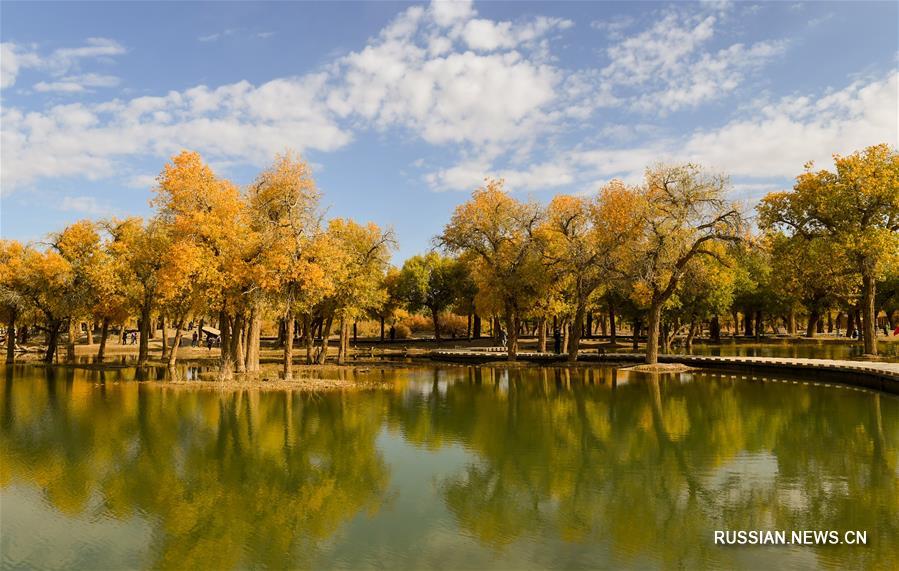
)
(404, 108)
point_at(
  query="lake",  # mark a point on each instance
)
(887, 351)
(448, 467)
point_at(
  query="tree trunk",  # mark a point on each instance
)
(747, 323)
(235, 347)
(382, 329)
(869, 314)
(512, 326)
(477, 326)
(281, 333)
(179, 332)
(310, 338)
(613, 337)
(829, 321)
(90, 333)
(736, 317)
(104, 335)
(691, 333)
(468, 328)
(11, 338)
(574, 342)
(254, 332)
(791, 323)
(226, 357)
(73, 336)
(652, 334)
(759, 325)
(589, 326)
(850, 322)
(341, 345)
(635, 337)
(812, 327)
(53, 327)
(436, 319)
(715, 329)
(541, 335)
(287, 365)
(326, 332)
(143, 352)
(165, 338)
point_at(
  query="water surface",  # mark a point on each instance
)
(453, 467)
(887, 351)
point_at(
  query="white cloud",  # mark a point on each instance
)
(614, 26)
(469, 175)
(488, 92)
(448, 12)
(216, 36)
(77, 83)
(94, 48)
(779, 140)
(665, 67)
(143, 181)
(769, 144)
(236, 121)
(409, 76)
(58, 63)
(12, 59)
(774, 142)
(814, 22)
(85, 205)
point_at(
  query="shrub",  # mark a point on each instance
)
(453, 325)
(418, 323)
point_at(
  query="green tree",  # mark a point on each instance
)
(431, 282)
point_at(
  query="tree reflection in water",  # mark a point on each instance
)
(657, 464)
(246, 478)
(627, 468)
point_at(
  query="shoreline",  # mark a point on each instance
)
(199, 365)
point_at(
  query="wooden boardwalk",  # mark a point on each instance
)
(875, 375)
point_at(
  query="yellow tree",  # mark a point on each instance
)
(815, 273)
(207, 212)
(12, 301)
(295, 262)
(856, 207)
(79, 245)
(497, 233)
(681, 213)
(704, 291)
(138, 252)
(43, 279)
(364, 251)
(110, 284)
(184, 281)
(579, 239)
